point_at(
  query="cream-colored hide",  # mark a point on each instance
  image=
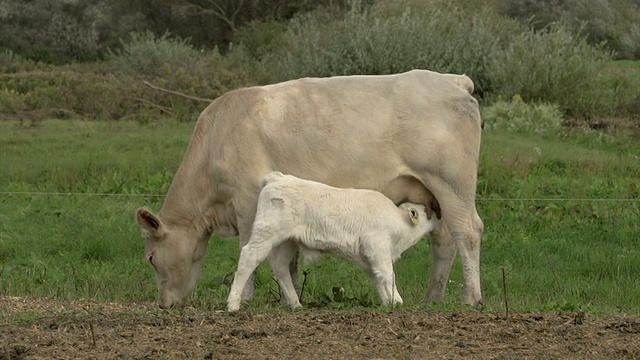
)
(359, 225)
(399, 134)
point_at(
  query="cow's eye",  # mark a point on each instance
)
(150, 259)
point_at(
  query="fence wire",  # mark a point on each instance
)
(25, 193)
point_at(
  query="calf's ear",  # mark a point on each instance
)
(148, 221)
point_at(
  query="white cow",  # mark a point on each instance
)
(398, 134)
(363, 226)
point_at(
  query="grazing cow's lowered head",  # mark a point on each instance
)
(176, 262)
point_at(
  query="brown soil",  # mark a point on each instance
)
(51, 329)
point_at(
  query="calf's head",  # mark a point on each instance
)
(418, 216)
(176, 256)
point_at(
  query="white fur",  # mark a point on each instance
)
(362, 226)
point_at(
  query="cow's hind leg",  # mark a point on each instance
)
(244, 230)
(465, 228)
(443, 250)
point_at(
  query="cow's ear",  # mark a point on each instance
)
(148, 221)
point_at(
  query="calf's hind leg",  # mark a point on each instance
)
(280, 259)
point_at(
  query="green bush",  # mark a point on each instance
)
(517, 115)
(10, 62)
(117, 88)
(173, 64)
(550, 66)
(260, 38)
(51, 31)
(150, 56)
(68, 93)
(601, 22)
(630, 43)
(502, 56)
(392, 37)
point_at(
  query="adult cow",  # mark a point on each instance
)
(400, 134)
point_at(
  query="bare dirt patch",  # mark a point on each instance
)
(51, 329)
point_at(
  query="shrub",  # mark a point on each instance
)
(550, 66)
(602, 22)
(260, 38)
(51, 31)
(116, 89)
(10, 62)
(520, 116)
(150, 56)
(630, 43)
(173, 64)
(68, 93)
(392, 37)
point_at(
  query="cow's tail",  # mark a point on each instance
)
(270, 177)
(461, 81)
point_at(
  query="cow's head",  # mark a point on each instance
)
(176, 255)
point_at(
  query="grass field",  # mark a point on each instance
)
(70, 189)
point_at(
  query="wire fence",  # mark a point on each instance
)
(25, 193)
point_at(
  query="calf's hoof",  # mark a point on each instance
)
(233, 307)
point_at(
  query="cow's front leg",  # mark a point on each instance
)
(244, 231)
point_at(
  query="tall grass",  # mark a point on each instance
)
(559, 255)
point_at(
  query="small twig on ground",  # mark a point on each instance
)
(277, 294)
(504, 288)
(93, 334)
(363, 329)
(393, 287)
(305, 273)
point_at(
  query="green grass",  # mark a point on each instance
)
(559, 255)
(627, 68)
(633, 65)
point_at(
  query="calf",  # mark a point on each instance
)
(360, 225)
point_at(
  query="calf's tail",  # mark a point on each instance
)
(270, 177)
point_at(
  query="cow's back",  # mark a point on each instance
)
(351, 131)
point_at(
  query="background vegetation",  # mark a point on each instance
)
(560, 99)
(97, 59)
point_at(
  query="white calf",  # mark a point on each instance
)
(363, 226)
